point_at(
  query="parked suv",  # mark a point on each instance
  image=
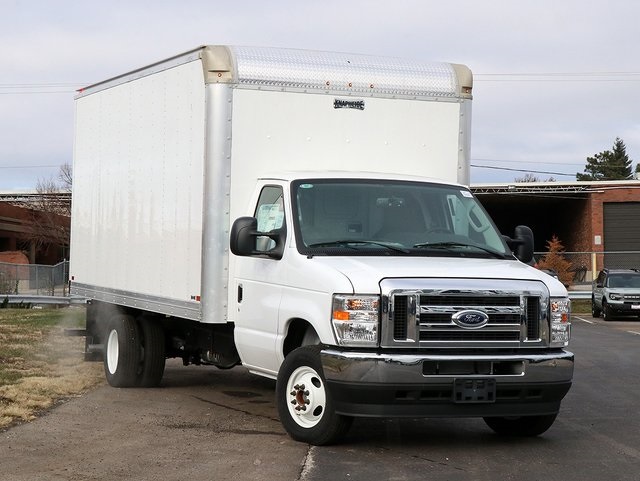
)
(616, 292)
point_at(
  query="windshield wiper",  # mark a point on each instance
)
(349, 243)
(449, 245)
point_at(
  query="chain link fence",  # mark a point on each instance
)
(585, 266)
(34, 279)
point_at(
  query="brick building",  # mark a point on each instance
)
(19, 232)
(588, 217)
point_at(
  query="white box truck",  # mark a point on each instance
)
(306, 214)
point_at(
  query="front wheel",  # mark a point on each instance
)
(304, 404)
(524, 426)
(607, 314)
(595, 312)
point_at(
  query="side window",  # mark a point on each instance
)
(270, 215)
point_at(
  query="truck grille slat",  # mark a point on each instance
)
(424, 317)
(533, 318)
(468, 301)
(400, 318)
(466, 336)
(445, 319)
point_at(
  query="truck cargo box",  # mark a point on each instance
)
(166, 156)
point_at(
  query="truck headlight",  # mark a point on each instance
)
(560, 321)
(355, 319)
(615, 297)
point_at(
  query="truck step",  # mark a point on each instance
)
(94, 352)
(75, 332)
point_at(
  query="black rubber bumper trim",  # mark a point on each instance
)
(436, 400)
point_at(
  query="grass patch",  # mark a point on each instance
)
(581, 306)
(39, 365)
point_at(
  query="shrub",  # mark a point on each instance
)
(554, 259)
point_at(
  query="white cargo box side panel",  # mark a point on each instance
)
(277, 131)
(137, 199)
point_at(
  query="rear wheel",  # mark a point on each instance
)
(595, 312)
(521, 426)
(304, 404)
(153, 352)
(122, 351)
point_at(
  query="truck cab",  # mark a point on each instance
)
(399, 297)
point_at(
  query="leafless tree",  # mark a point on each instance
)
(50, 211)
(53, 196)
(65, 177)
(529, 177)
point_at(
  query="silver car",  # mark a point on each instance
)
(616, 292)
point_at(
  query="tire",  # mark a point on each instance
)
(606, 312)
(304, 404)
(122, 351)
(524, 426)
(153, 352)
(595, 312)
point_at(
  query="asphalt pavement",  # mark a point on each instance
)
(208, 424)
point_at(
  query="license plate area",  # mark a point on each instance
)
(474, 391)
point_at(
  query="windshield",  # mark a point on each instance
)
(624, 280)
(373, 217)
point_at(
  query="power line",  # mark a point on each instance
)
(39, 92)
(26, 88)
(522, 170)
(567, 74)
(536, 161)
(27, 166)
(556, 80)
(558, 77)
(38, 88)
(37, 85)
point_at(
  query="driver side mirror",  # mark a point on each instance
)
(522, 244)
(244, 236)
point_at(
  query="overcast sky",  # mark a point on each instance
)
(556, 81)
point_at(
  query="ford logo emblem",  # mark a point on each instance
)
(470, 319)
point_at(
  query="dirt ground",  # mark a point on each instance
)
(202, 424)
(39, 364)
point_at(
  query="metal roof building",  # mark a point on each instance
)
(599, 216)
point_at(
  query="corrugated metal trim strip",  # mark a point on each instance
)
(161, 305)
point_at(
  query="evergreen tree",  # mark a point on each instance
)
(608, 165)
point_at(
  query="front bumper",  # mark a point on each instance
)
(632, 309)
(411, 385)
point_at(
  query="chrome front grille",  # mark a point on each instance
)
(419, 313)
